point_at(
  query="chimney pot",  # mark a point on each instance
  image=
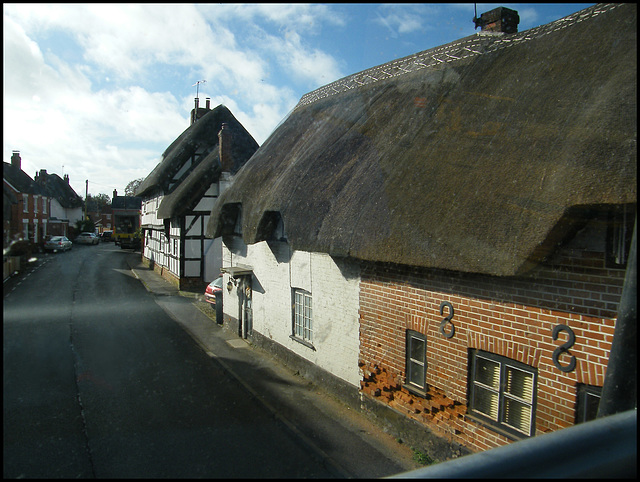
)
(115, 193)
(208, 103)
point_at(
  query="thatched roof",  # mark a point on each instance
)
(464, 157)
(201, 138)
(60, 189)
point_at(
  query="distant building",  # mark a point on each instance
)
(66, 205)
(177, 196)
(29, 215)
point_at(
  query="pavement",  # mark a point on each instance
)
(351, 441)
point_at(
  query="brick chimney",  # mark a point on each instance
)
(66, 178)
(16, 161)
(499, 19)
(224, 144)
(115, 193)
(208, 103)
(41, 176)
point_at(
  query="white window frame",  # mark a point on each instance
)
(302, 326)
(499, 394)
(416, 362)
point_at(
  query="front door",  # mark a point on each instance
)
(245, 297)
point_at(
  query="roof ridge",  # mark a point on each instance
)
(466, 47)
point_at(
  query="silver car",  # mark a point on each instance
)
(87, 238)
(58, 243)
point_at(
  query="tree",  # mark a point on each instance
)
(131, 188)
(85, 226)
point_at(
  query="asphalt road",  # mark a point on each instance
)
(100, 382)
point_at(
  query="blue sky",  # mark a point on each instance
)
(99, 91)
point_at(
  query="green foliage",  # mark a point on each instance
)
(130, 190)
(421, 458)
(85, 226)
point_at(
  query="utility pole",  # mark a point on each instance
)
(86, 199)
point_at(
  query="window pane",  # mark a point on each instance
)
(416, 374)
(519, 384)
(486, 402)
(416, 348)
(517, 415)
(591, 406)
(487, 373)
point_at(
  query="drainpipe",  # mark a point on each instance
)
(619, 391)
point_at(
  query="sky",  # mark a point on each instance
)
(99, 91)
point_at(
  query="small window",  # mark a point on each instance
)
(302, 317)
(588, 401)
(416, 361)
(619, 232)
(503, 393)
(25, 203)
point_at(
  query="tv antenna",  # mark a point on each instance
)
(197, 85)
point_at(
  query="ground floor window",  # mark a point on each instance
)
(588, 401)
(503, 393)
(302, 316)
(416, 360)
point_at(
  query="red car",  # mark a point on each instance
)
(214, 287)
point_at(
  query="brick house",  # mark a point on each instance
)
(446, 234)
(177, 196)
(30, 214)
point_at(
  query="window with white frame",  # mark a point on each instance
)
(503, 393)
(302, 317)
(416, 369)
(25, 203)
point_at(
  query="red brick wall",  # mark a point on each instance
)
(512, 317)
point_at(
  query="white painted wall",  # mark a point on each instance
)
(335, 298)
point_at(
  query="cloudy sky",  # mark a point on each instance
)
(99, 91)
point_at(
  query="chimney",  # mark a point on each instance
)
(224, 145)
(499, 19)
(208, 103)
(16, 161)
(115, 193)
(66, 178)
(40, 176)
(195, 114)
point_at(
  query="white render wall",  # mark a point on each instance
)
(334, 293)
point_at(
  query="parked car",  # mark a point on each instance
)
(58, 243)
(214, 287)
(87, 238)
(106, 236)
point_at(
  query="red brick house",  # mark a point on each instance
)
(30, 214)
(485, 194)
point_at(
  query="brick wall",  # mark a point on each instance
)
(512, 317)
